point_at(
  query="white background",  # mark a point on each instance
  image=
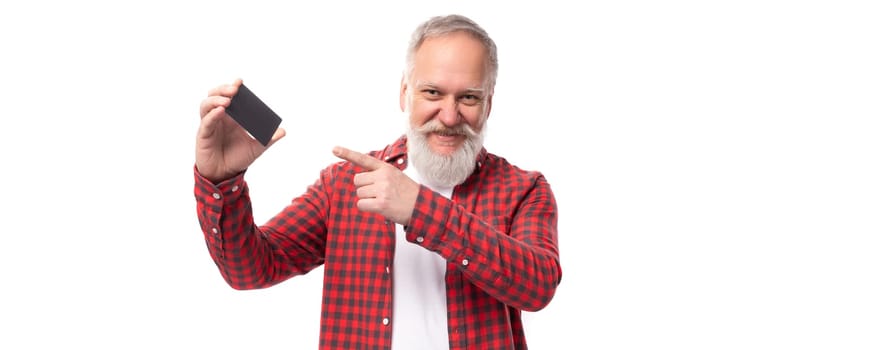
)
(711, 162)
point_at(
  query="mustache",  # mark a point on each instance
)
(436, 126)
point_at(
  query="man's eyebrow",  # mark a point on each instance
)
(427, 84)
(420, 84)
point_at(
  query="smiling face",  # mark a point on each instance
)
(448, 105)
(447, 88)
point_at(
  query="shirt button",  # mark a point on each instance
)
(387, 269)
(216, 196)
(465, 262)
(419, 239)
(400, 161)
(234, 188)
(386, 321)
(214, 230)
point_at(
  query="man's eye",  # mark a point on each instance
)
(470, 99)
(430, 92)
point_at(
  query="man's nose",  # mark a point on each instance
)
(449, 114)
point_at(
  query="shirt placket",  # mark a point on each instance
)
(387, 284)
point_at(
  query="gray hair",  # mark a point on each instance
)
(443, 25)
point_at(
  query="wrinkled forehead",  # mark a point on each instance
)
(427, 84)
(456, 62)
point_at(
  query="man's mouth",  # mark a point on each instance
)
(446, 138)
(446, 133)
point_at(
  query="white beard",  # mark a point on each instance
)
(444, 170)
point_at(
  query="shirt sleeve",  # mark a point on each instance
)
(516, 262)
(250, 256)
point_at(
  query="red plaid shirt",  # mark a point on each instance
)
(498, 234)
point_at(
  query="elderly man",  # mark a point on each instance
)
(429, 243)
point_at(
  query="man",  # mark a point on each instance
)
(430, 243)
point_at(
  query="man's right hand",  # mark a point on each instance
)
(224, 148)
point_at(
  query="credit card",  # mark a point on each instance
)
(253, 115)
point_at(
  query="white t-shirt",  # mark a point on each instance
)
(420, 315)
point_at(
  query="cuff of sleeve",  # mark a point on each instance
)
(228, 189)
(427, 226)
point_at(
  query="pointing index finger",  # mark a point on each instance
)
(364, 160)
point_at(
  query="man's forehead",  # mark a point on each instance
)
(420, 83)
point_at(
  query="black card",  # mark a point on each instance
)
(252, 114)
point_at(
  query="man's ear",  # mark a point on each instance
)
(403, 91)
